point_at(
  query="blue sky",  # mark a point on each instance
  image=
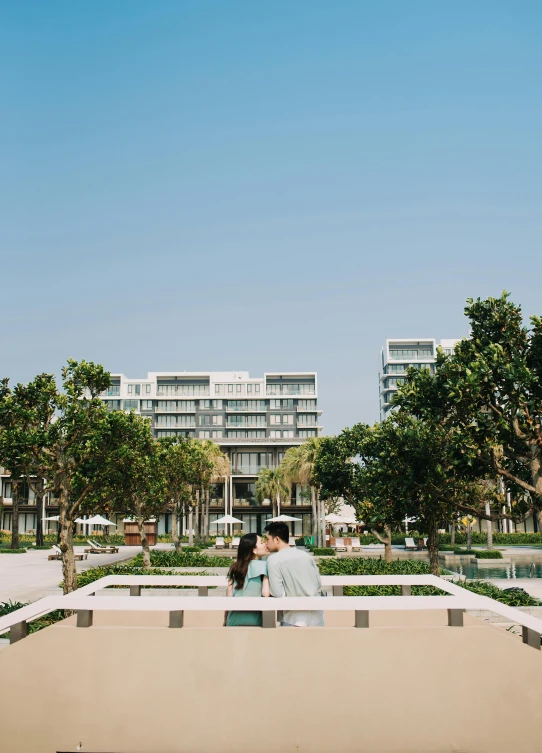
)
(263, 186)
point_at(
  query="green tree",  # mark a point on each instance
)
(489, 393)
(298, 465)
(133, 480)
(271, 484)
(63, 434)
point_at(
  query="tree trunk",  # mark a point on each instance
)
(432, 546)
(65, 525)
(489, 528)
(314, 514)
(386, 540)
(175, 528)
(144, 542)
(452, 535)
(15, 515)
(469, 533)
(190, 527)
(197, 526)
(39, 512)
(207, 510)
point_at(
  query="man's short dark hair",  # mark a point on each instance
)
(278, 529)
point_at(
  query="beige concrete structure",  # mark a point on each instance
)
(408, 684)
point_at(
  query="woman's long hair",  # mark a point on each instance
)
(245, 555)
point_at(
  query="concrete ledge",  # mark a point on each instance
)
(181, 690)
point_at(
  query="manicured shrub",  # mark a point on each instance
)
(95, 573)
(12, 551)
(471, 552)
(191, 549)
(513, 597)
(300, 541)
(181, 559)
(372, 566)
(488, 554)
(327, 552)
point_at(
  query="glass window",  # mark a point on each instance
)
(288, 419)
(274, 434)
(130, 405)
(217, 420)
(274, 418)
(204, 434)
(204, 420)
(257, 388)
(146, 405)
(249, 389)
(288, 433)
(274, 404)
(217, 404)
(238, 388)
(130, 389)
(147, 389)
(230, 389)
(217, 434)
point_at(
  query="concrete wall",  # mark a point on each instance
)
(148, 689)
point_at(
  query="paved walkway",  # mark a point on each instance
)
(30, 576)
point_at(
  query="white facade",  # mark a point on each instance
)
(398, 355)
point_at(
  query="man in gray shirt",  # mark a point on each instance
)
(292, 573)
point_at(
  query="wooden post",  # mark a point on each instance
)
(530, 637)
(362, 618)
(18, 632)
(455, 617)
(203, 590)
(84, 618)
(406, 590)
(338, 590)
(269, 619)
(135, 590)
(176, 619)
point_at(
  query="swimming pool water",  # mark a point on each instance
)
(512, 571)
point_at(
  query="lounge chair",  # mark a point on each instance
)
(235, 542)
(98, 549)
(409, 544)
(291, 541)
(356, 546)
(219, 543)
(339, 545)
(58, 554)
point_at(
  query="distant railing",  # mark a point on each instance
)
(84, 602)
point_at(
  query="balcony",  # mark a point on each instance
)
(174, 410)
(175, 426)
(247, 410)
(247, 425)
(183, 392)
(290, 389)
(247, 470)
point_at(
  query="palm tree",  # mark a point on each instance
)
(221, 471)
(298, 466)
(271, 484)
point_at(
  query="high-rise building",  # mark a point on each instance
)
(253, 420)
(397, 356)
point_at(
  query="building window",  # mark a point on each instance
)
(288, 433)
(257, 388)
(204, 434)
(238, 388)
(274, 418)
(307, 432)
(217, 434)
(217, 404)
(146, 405)
(306, 405)
(249, 389)
(204, 420)
(274, 434)
(216, 420)
(230, 389)
(130, 405)
(147, 389)
(287, 418)
(274, 404)
(134, 389)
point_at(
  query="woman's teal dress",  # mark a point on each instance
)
(251, 587)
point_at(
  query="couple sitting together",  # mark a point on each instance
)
(287, 571)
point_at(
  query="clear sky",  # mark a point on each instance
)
(191, 185)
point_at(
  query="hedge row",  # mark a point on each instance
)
(168, 558)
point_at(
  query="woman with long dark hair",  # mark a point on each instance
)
(248, 577)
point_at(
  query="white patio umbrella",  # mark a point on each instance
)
(57, 518)
(226, 520)
(98, 520)
(282, 519)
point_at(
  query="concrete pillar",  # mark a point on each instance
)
(455, 617)
(176, 619)
(362, 618)
(18, 632)
(84, 618)
(135, 590)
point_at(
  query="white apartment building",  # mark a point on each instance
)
(397, 356)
